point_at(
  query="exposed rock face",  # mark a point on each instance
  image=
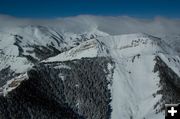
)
(75, 89)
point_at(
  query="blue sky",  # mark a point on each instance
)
(64, 8)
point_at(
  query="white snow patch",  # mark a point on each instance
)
(61, 76)
(62, 66)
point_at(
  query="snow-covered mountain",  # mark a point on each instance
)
(135, 83)
(92, 75)
(22, 47)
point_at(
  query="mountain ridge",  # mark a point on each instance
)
(131, 67)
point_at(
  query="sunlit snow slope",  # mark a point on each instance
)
(134, 81)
